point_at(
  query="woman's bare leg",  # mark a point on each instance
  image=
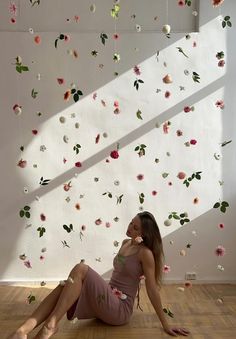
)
(39, 315)
(68, 296)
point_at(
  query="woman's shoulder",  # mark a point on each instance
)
(125, 241)
(145, 252)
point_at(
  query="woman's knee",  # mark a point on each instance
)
(79, 271)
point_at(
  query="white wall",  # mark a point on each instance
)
(208, 124)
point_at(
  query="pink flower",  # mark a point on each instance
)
(166, 127)
(27, 264)
(221, 63)
(115, 36)
(34, 131)
(98, 221)
(193, 142)
(140, 176)
(167, 94)
(220, 103)
(67, 38)
(13, 20)
(37, 39)
(194, 44)
(221, 225)
(181, 175)
(220, 251)
(94, 96)
(76, 18)
(137, 70)
(138, 240)
(181, 3)
(78, 164)
(166, 269)
(114, 154)
(170, 183)
(108, 224)
(41, 257)
(116, 103)
(187, 109)
(13, 8)
(154, 193)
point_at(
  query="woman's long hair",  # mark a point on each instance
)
(152, 239)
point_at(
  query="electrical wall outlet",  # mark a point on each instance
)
(190, 276)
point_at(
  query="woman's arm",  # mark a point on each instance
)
(148, 264)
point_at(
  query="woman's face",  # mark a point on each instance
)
(134, 229)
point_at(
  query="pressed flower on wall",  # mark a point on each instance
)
(226, 21)
(61, 37)
(44, 182)
(196, 77)
(223, 205)
(137, 82)
(25, 212)
(140, 149)
(183, 217)
(68, 228)
(138, 114)
(41, 231)
(195, 175)
(35, 2)
(19, 67)
(220, 251)
(181, 51)
(77, 148)
(103, 37)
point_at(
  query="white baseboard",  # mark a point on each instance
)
(49, 283)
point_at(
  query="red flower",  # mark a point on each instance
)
(181, 175)
(221, 225)
(167, 94)
(114, 154)
(220, 251)
(13, 20)
(220, 103)
(37, 39)
(78, 164)
(181, 3)
(193, 142)
(60, 81)
(216, 3)
(34, 131)
(140, 176)
(187, 109)
(136, 70)
(154, 193)
(115, 36)
(42, 217)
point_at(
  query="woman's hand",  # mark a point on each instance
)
(174, 331)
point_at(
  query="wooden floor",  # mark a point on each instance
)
(197, 308)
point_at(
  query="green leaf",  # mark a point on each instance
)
(27, 214)
(76, 97)
(143, 146)
(176, 217)
(182, 221)
(18, 68)
(223, 209)
(138, 114)
(223, 24)
(22, 213)
(27, 208)
(182, 215)
(170, 216)
(186, 220)
(141, 81)
(136, 148)
(56, 41)
(198, 177)
(109, 195)
(229, 23)
(217, 204)
(73, 91)
(62, 37)
(224, 203)
(187, 184)
(24, 68)
(193, 176)
(79, 92)
(227, 17)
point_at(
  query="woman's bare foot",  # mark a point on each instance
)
(17, 335)
(46, 332)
